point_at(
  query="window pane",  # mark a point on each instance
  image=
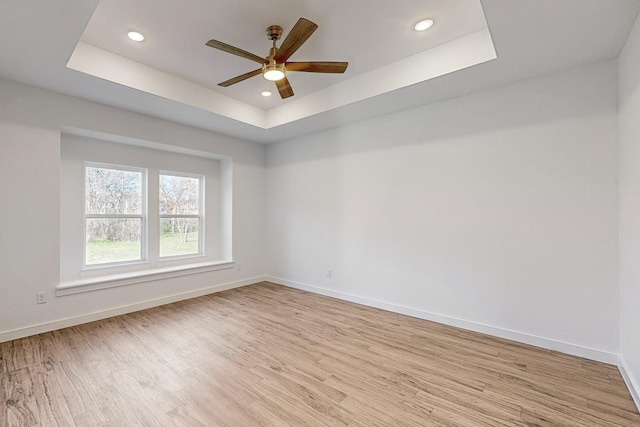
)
(112, 191)
(179, 195)
(113, 240)
(179, 236)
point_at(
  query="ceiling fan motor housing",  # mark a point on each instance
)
(274, 32)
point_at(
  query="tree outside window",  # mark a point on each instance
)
(180, 202)
(114, 214)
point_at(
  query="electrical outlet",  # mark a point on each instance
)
(328, 272)
(238, 266)
(41, 297)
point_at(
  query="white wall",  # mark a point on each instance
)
(629, 82)
(495, 211)
(30, 131)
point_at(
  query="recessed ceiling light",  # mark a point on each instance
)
(135, 36)
(265, 93)
(423, 25)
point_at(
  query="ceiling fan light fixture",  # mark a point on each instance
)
(135, 36)
(273, 72)
(423, 25)
(273, 67)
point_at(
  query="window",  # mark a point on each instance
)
(127, 209)
(180, 203)
(114, 218)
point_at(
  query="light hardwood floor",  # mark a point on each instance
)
(269, 355)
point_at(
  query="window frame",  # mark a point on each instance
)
(143, 215)
(200, 216)
(77, 147)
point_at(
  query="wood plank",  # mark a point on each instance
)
(33, 398)
(20, 407)
(274, 356)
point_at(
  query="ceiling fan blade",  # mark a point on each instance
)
(284, 88)
(240, 78)
(234, 50)
(317, 67)
(296, 37)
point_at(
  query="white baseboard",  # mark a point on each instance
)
(629, 379)
(550, 344)
(98, 315)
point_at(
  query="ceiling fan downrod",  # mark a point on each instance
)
(271, 70)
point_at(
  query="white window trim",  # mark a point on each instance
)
(143, 216)
(131, 278)
(200, 216)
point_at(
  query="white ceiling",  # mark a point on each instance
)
(531, 37)
(177, 65)
(366, 33)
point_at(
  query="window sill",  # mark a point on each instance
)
(124, 279)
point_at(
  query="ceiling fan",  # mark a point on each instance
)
(274, 67)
